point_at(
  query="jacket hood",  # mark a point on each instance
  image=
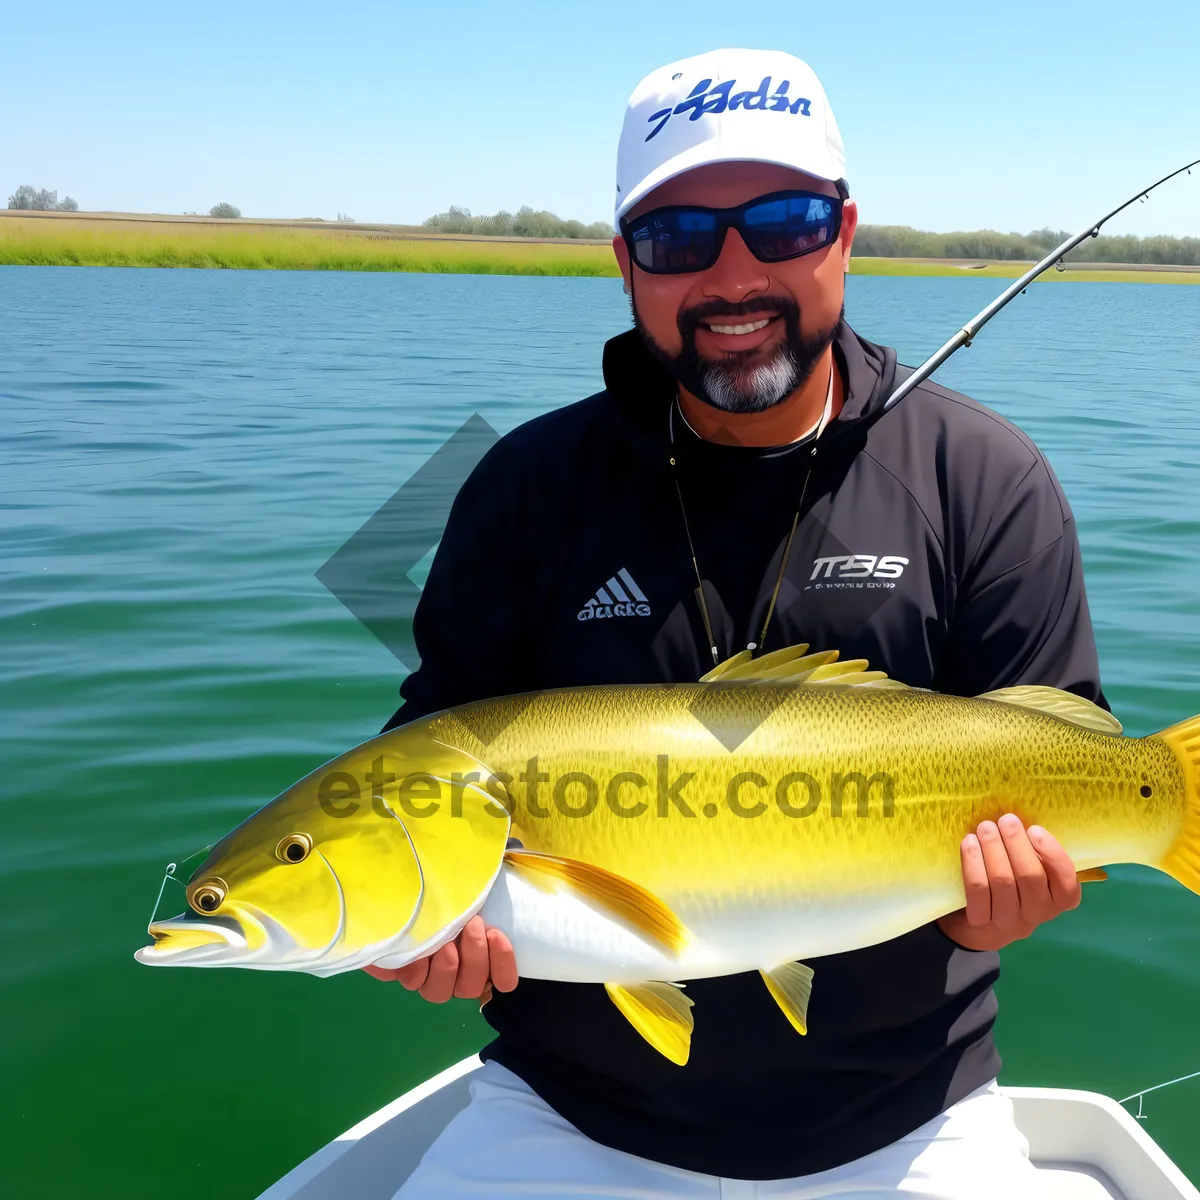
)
(642, 389)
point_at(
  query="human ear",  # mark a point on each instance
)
(622, 253)
(846, 235)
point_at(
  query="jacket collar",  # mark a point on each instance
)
(642, 389)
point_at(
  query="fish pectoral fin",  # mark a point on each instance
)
(1056, 703)
(1092, 875)
(790, 986)
(619, 897)
(660, 1012)
(794, 665)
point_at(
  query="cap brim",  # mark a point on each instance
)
(702, 156)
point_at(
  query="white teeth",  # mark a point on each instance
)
(752, 328)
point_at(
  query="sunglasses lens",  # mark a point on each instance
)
(674, 241)
(790, 226)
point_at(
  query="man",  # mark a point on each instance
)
(737, 483)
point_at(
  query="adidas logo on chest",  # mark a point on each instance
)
(619, 596)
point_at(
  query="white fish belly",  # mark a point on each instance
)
(560, 935)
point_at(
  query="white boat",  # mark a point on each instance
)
(1087, 1146)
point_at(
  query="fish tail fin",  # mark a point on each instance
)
(1182, 861)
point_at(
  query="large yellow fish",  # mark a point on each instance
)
(638, 836)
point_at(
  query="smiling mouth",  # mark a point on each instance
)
(747, 327)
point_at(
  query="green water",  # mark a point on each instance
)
(180, 451)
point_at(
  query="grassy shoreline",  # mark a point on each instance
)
(125, 240)
(1078, 273)
(241, 245)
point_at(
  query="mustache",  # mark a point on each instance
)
(784, 306)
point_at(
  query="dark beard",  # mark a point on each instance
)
(730, 384)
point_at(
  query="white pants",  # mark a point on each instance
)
(508, 1143)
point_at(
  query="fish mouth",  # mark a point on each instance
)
(193, 942)
(246, 935)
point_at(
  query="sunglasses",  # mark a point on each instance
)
(775, 227)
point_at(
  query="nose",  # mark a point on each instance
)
(737, 274)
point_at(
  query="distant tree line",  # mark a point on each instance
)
(525, 222)
(40, 200)
(902, 241)
(871, 241)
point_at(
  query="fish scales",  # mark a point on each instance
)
(952, 763)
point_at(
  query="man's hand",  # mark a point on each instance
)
(1015, 879)
(470, 966)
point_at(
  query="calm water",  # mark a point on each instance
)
(181, 450)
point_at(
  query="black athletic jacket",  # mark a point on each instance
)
(934, 542)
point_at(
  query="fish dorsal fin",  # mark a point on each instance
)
(744, 665)
(621, 898)
(794, 665)
(660, 1012)
(1066, 706)
(730, 664)
(790, 986)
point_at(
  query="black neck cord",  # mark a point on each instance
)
(787, 549)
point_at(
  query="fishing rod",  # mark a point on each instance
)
(1055, 258)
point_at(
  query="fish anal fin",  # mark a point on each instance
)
(620, 897)
(1092, 875)
(660, 1012)
(1066, 706)
(790, 986)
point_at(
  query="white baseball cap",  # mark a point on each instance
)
(726, 106)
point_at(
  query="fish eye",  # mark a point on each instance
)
(1146, 790)
(294, 848)
(207, 897)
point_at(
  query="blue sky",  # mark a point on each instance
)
(955, 115)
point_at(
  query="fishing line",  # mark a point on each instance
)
(172, 874)
(1138, 1096)
(169, 873)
